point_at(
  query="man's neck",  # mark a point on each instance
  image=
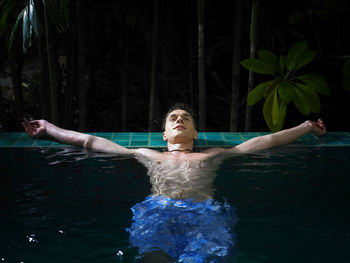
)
(180, 147)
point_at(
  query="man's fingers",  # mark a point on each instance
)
(26, 121)
(25, 124)
(321, 124)
(29, 128)
(30, 124)
(35, 124)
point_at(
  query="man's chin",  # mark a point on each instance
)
(180, 137)
(180, 134)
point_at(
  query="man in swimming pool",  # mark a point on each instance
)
(172, 218)
(179, 132)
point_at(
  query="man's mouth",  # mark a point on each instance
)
(179, 127)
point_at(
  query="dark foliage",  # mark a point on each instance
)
(118, 48)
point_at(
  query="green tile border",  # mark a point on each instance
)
(155, 139)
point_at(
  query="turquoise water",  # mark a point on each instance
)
(71, 205)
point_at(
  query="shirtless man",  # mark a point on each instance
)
(178, 174)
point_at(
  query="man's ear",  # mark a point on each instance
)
(195, 135)
(164, 136)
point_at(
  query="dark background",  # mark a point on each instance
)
(106, 47)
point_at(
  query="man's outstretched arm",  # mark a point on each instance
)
(281, 137)
(40, 128)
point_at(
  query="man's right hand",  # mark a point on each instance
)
(35, 128)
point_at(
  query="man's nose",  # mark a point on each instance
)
(179, 119)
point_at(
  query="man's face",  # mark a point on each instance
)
(179, 127)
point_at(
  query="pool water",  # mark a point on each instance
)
(72, 205)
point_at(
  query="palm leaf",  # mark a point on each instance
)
(27, 28)
(7, 9)
(15, 28)
(32, 17)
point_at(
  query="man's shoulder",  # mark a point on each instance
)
(148, 152)
(214, 151)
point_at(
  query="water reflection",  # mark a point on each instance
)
(183, 228)
(289, 204)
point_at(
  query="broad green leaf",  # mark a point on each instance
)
(257, 93)
(295, 18)
(316, 82)
(311, 96)
(282, 63)
(346, 74)
(322, 13)
(301, 101)
(275, 109)
(267, 110)
(256, 65)
(271, 87)
(286, 91)
(281, 117)
(293, 55)
(305, 58)
(269, 59)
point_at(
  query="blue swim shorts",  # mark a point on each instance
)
(187, 231)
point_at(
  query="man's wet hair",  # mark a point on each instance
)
(180, 106)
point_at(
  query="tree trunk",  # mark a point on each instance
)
(151, 113)
(237, 38)
(190, 34)
(71, 78)
(70, 93)
(15, 60)
(44, 86)
(92, 68)
(81, 66)
(16, 65)
(253, 36)
(3, 118)
(125, 79)
(201, 66)
(52, 66)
